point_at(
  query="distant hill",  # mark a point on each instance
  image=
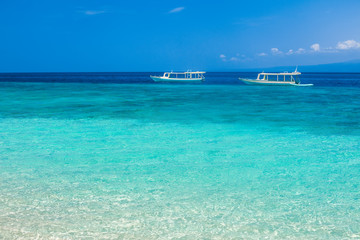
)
(350, 66)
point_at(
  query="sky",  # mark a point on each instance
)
(163, 35)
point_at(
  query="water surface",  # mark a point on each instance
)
(117, 156)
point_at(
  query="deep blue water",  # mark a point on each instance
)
(319, 79)
(143, 160)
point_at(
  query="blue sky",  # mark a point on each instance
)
(159, 35)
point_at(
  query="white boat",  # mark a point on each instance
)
(276, 79)
(180, 77)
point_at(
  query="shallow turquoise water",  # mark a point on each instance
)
(150, 161)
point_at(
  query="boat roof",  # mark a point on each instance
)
(186, 72)
(283, 73)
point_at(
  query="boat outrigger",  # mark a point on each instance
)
(276, 79)
(180, 77)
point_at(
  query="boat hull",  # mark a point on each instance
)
(164, 79)
(272, 83)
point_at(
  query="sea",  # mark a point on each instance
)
(117, 156)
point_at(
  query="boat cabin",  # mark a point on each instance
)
(280, 77)
(184, 75)
(188, 76)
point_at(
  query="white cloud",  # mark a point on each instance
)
(300, 51)
(315, 47)
(262, 54)
(290, 52)
(345, 45)
(236, 58)
(349, 44)
(91, 12)
(178, 9)
(223, 57)
(276, 51)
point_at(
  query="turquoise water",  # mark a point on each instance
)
(160, 161)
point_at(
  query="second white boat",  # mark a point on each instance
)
(276, 79)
